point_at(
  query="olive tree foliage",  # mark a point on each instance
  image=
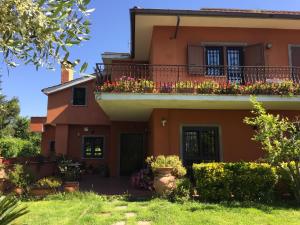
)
(40, 32)
(280, 140)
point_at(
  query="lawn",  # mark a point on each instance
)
(90, 208)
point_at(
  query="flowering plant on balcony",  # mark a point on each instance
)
(131, 85)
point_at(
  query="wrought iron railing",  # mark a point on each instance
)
(171, 75)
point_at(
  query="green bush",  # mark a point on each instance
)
(48, 182)
(182, 192)
(11, 147)
(235, 181)
(172, 161)
(20, 177)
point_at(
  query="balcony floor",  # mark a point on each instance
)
(138, 107)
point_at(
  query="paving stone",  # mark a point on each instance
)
(144, 223)
(130, 214)
(119, 223)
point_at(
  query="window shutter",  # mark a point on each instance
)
(255, 55)
(295, 56)
(195, 59)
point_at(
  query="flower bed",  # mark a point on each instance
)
(131, 85)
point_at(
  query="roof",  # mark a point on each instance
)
(269, 17)
(60, 87)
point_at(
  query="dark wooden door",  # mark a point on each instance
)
(132, 153)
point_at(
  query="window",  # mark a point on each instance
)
(52, 146)
(93, 147)
(214, 60)
(200, 144)
(79, 96)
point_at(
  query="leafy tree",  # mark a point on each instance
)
(280, 139)
(40, 32)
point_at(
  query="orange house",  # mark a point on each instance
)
(173, 51)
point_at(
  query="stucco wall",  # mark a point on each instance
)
(174, 51)
(61, 110)
(235, 136)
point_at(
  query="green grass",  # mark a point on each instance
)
(89, 208)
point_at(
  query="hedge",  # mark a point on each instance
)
(11, 147)
(235, 181)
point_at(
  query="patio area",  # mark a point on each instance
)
(111, 186)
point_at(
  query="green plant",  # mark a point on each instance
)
(69, 170)
(235, 181)
(171, 161)
(182, 192)
(280, 140)
(20, 177)
(48, 182)
(207, 87)
(9, 210)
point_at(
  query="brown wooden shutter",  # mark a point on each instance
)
(195, 59)
(254, 60)
(254, 55)
(295, 56)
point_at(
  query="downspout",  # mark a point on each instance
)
(176, 29)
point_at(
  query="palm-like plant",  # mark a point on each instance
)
(9, 210)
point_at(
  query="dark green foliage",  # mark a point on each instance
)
(20, 177)
(182, 192)
(9, 210)
(235, 181)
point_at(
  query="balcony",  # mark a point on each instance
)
(131, 91)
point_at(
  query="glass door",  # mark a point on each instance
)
(234, 64)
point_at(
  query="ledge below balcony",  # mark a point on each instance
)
(138, 107)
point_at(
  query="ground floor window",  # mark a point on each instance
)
(200, 144)
(93, 147)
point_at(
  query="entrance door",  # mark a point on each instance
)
(235, 63)
(200, 144)
(132, 153)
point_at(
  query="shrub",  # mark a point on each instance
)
(11, 147)
(48, 182)
(20, 177)
(171, 161)
(182, 192)
(143, 179)
(69, 170)
(207, 87)
(235, 181)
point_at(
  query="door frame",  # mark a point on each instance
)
(119, 148)
(202, 125)
(290, 46)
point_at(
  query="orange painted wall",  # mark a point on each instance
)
(37, 124)
(236, 143)
(61, 110)
(166, 51)
(47, 136)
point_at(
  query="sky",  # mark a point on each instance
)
(110, 31)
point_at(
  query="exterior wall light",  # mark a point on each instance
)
(163, 122)
(269, 45)
(86, 129)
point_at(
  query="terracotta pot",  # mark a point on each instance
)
(71, 186)
(164, 181)
(41, 192)
(18, 190)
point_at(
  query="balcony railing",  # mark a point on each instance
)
(172, 75)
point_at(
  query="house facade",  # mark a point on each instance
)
(148, 102)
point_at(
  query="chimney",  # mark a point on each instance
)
(66, 71)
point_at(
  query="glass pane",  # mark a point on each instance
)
(234, 64)
(93, 147)
(214, 60)
(191, 143)
(79, 96)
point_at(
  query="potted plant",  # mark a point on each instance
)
(166, 169)
(20, 179)
(70, 172)
(45, 186)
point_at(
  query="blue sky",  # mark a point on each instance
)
(110, 32)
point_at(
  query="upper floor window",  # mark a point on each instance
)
(79, 96)
(214, 60)
(93, 147)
